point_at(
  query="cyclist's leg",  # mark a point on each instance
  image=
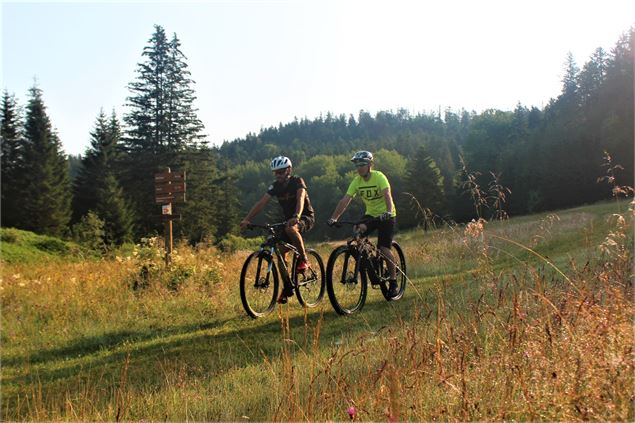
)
(287, 289)
(294, 233)
(385, 234)
(367, 225)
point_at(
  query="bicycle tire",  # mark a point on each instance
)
(251, 290)
(309, 285)
(347, 295)
(402, 279)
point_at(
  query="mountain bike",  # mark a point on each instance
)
(350, 266)
(259, 278)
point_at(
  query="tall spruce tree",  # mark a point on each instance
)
(113, 210)
(162, 125)
(200, 211)
(229, 212)
(425, 183)
(45, 197)
(617, 101)
(96, 187)
(10, 133)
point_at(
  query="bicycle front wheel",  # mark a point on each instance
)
(259, 284)
(345, 282)
(310, 283)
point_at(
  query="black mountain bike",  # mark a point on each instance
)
(259, 279)
(351, 265)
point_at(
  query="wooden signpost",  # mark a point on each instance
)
(169, 188)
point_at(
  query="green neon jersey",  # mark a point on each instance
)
(371, 192)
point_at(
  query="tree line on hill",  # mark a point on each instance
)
(450, 167)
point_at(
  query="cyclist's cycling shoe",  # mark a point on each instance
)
(393, 289)
(302, 266)
(283, 298)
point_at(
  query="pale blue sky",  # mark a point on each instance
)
(259, 63)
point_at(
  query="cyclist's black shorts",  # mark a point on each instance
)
(305, 224)
(385, 229)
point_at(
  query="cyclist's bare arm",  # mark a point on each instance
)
(299, 206)
(341, 206)
(257, 208)
(388, 197)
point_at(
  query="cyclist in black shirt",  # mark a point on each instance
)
(292, 195)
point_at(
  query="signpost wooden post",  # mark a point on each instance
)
(169, 188)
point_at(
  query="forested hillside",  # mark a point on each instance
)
(547, 159)
(440, 164)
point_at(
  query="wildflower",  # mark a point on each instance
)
(474, 229)
(352, 412)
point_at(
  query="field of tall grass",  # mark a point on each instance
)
(529, 318)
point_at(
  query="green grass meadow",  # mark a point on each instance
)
(524, 319)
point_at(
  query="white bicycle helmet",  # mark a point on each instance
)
(280, 162)
(363, 156)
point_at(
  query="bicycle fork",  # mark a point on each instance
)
(269, 267)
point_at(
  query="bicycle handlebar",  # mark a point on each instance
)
(266, 226)
(339, 223)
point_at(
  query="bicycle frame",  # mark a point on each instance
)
(368, 255)
(272, 246)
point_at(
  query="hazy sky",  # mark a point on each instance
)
(259, 63)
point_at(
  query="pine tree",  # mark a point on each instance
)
(162, 123)
(425, 183)
(617, 101)
(570, 78)
(229, 210)
(96, 187)
(112, 208)
(45, 198)
(201, 210)
(591, 78)
(10, 134)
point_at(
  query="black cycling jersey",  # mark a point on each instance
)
(286, 193)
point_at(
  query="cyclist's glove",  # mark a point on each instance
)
(385, 216)
(331, 222)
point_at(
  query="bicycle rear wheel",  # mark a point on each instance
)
(400, 272)
(346, 287)
(259, 284)
(310, 283)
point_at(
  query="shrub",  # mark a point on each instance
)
(176, 277)
(9, 235)
(232, 243)
(52, 245)
(89, 232)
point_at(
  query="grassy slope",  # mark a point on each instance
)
(78, 343)
(17, 246)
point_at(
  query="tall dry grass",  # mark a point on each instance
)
(535, 345)
(128, 340)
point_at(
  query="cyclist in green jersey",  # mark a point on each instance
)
(374, 189)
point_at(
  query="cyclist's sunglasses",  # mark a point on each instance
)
(280, 171)
(361, 164)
